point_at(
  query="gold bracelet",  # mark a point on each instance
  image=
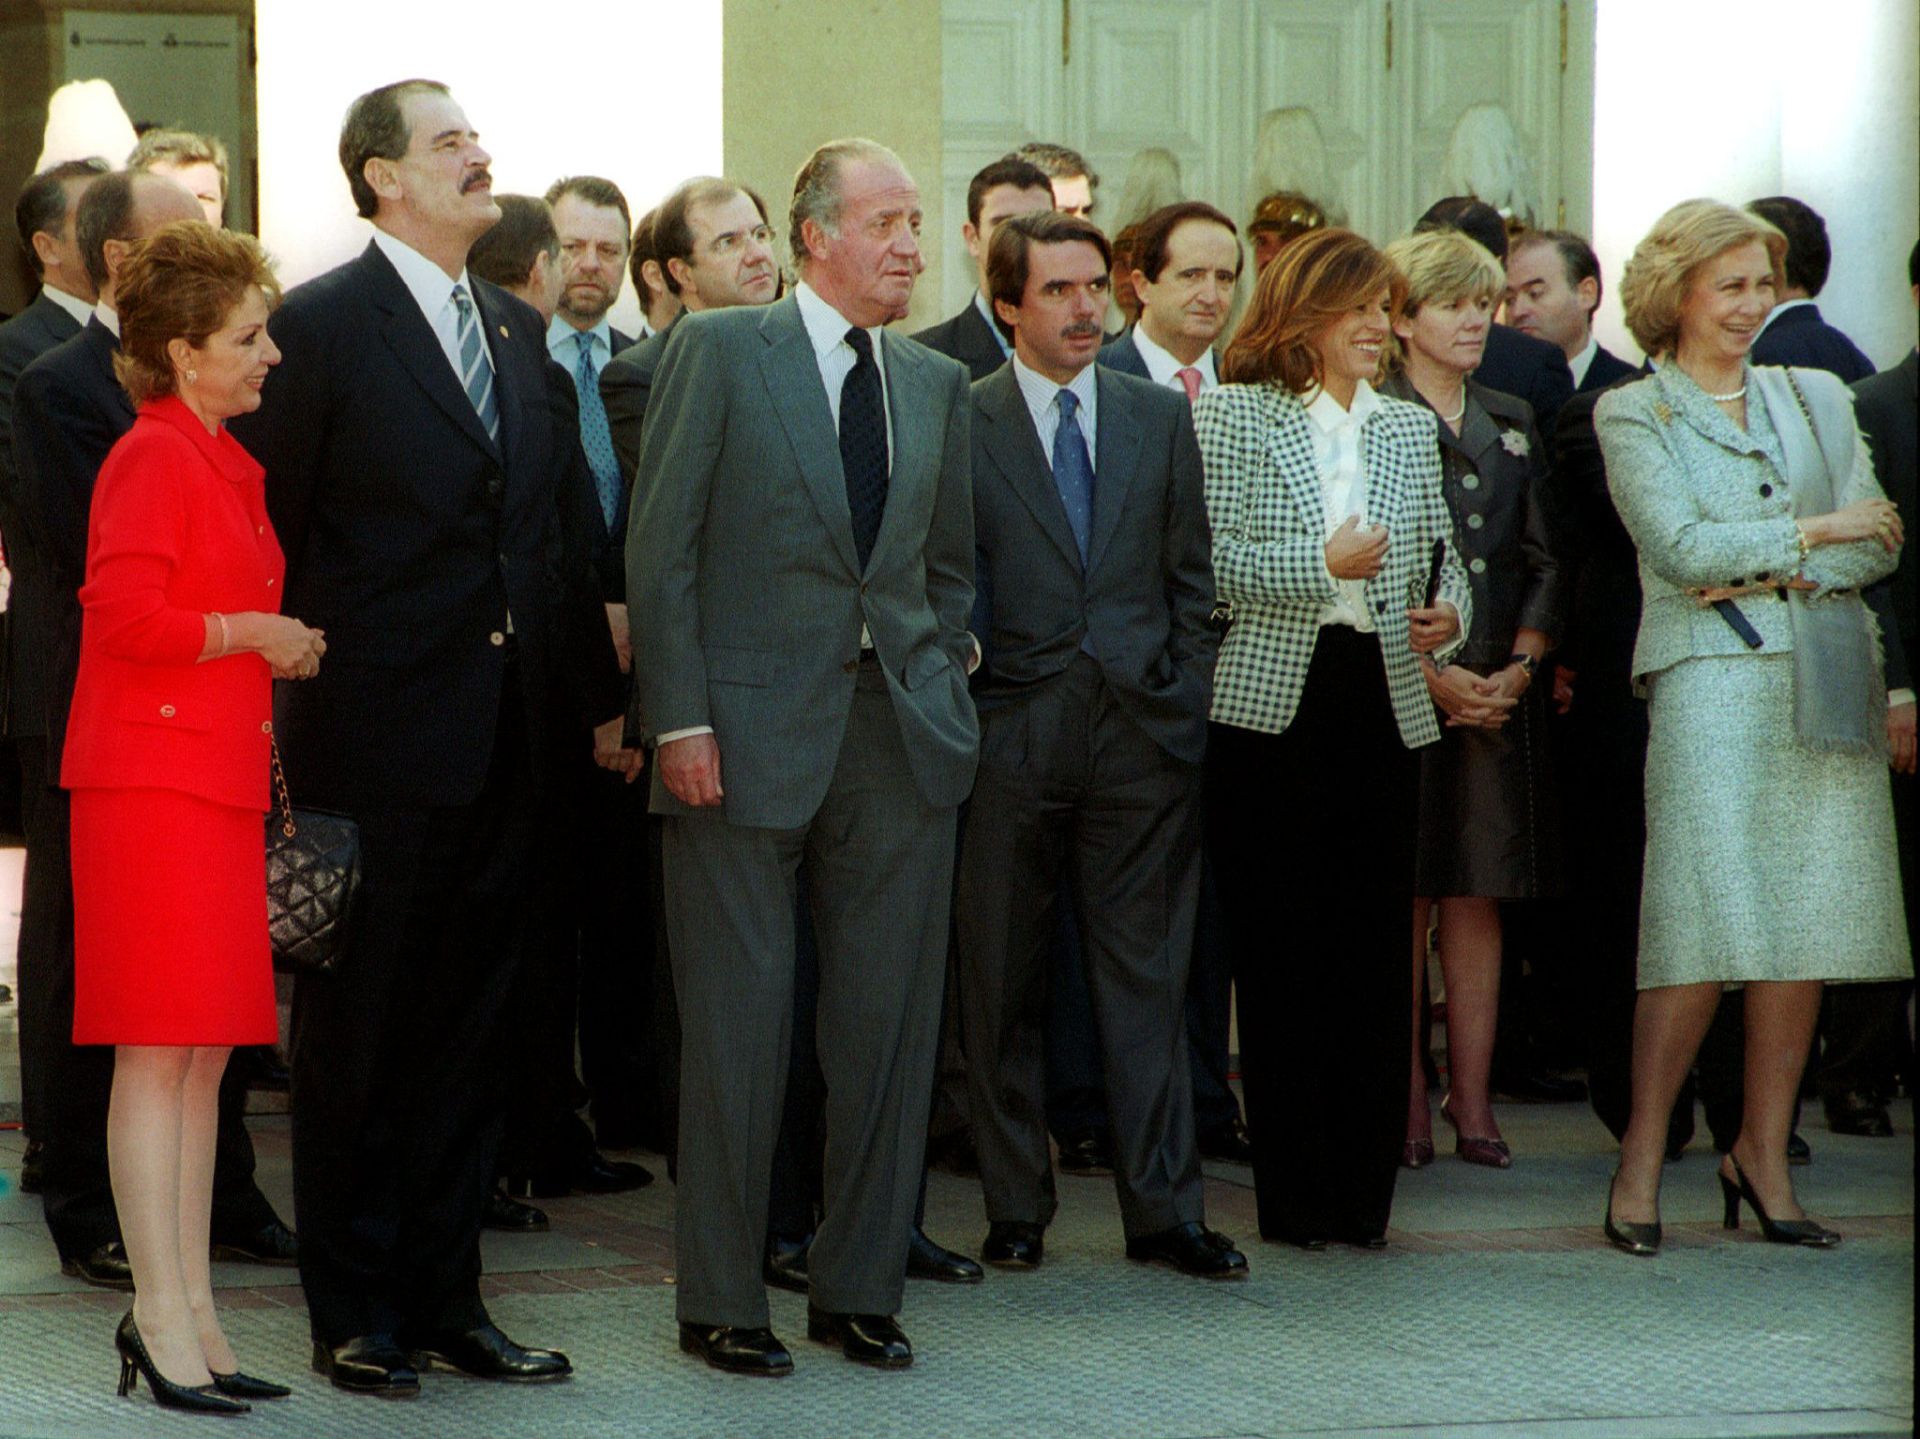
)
(225, 638)
(1800, 534)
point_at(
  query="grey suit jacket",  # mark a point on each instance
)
(1147, 588)
(742, 582)
(1705, 507)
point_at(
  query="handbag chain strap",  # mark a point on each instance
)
(280, 785)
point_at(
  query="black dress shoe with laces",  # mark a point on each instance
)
(1229, 1145)
(272, 1243)
(874, 1339)
(927, 1260)
(738, 1350)
(486, 1353)
(1854, 1112)
(104, 1266)
(1014, 1244)
(33, 1167)
(1191, 1248)
(784, 1265)
(368, 1364)
(510, 1216)
(595, 1174)
(1088, 1155)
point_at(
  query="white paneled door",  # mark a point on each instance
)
(1386, 80)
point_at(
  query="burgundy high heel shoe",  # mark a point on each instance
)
(1493, 1153)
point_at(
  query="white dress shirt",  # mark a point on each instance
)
(432, 291)
(1043, 403)
(1163, 368)
(985, 307)
(75, 306)
(1777, 311)
(1343, 489)
(108, 316)
(1583, 362)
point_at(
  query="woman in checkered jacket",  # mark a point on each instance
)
(1333, 547)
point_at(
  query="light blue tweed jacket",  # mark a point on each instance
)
(1264, 500)
(1707, 506)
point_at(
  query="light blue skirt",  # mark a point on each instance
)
(1765, 860)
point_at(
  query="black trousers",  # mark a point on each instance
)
(65, 1086)
(398, 1059)
(1312, 834)
(1065, 772)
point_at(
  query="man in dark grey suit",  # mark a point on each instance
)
(1009, 186)
(1095, 587)
(799, 575)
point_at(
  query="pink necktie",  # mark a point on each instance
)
(1189, 381)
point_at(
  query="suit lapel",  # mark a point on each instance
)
(105, 346)
(1014, 446)
(1114, 467)
(911, 411)
(417, 348)
(792, 376)
(1690, 402)
(1291, 445)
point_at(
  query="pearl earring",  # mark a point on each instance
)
(192, 376)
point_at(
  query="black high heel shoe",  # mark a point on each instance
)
(1776, 1231)
(1630, 1238)
(244, 1386)
(135, 1361)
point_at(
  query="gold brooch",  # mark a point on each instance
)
(1663, 412)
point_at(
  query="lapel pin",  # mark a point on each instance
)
(503, 332)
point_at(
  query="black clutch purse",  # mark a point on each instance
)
(313, 874)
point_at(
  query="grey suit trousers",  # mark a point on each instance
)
(880, 862)
(1070, 785)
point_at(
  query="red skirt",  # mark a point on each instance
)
(170, 921)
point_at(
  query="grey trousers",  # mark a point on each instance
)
(1069, 784)
(880, 863)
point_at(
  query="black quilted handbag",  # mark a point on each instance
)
(313, 874)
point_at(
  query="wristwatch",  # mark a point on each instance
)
(1528, 664)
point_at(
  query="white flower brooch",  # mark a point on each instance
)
(1514, 443)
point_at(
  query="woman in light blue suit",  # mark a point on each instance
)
(1328, 519)
(1770, 855)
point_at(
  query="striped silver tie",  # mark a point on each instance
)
(476, 370)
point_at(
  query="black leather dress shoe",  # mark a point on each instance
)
(1014, 1244)
(784, 1265)
(272, 1243)
(1230, 1145)
(596, 1174)
(1537, 1086)
(1798, 1150)
(1191, 1248)
(510, 1216)
(927, 1260)
(33, 1167)
(1087, 1155)
(486, 1353)
(864, 1338)
(368, 1364)
(104, 1267)
(738, 1351)
(1851, 1113)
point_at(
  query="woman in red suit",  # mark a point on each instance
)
(167, 761)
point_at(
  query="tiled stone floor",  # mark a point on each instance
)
(1497, 1310)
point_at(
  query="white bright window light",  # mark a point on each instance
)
(631, 92)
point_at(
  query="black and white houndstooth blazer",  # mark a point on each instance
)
(1264, 499)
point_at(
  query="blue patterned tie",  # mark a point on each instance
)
(595, 438)
(1073, 472)
(863, 445)
(476, 367)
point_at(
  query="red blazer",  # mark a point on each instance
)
(179, 528)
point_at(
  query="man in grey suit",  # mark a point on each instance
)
(1095, 587)
(800, 573)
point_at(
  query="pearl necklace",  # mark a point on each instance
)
(1739, 394)
(1457, 415)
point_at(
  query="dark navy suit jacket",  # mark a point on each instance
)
(1800, 337)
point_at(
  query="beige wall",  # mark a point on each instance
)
(798, 73)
